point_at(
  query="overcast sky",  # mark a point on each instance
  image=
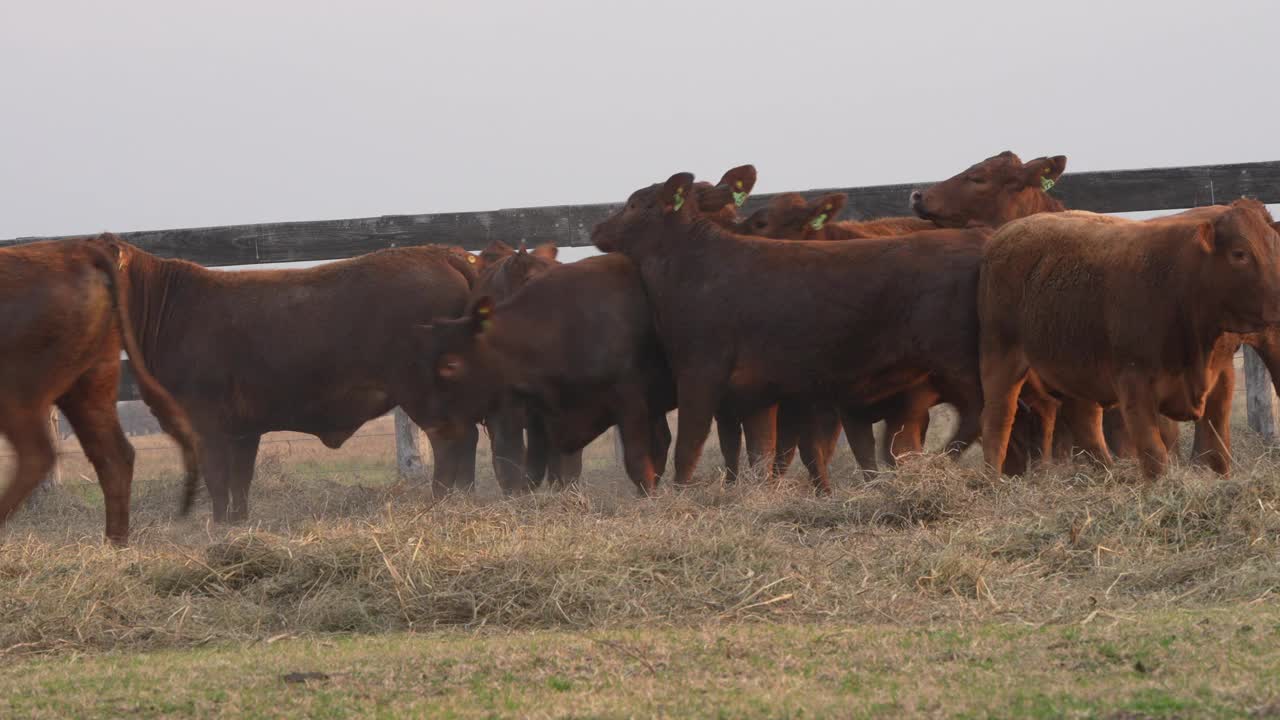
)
(131, 115)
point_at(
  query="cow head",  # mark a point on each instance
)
(496, 251)
(463, 372)
(638, 225)
(790, 217)
(1242, 249)
(720, 202)
(992, 192)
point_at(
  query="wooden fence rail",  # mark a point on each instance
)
(1109, 191)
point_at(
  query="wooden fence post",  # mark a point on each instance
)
(409, 465)
(1260, 397)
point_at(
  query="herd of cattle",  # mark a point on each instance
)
(783, 327)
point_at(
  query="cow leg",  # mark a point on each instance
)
(455, 461)
(905, 423)
(215, 450)
(243, 459)
(1117, 435)
(861, 437)
(699, 397)
(564, 469)
(538, 457)
(791, 417)
(1003, 376)
(1212, 445)
(811, 454)
(28, 433)
(761, 430)
(634, 427)
(91, 410)
(729, 431)
(442, 473)
(506, 440)
(827, 426)
(1084, 423)
(1137, 404)
(659, 443)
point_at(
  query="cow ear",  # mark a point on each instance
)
(523, 249)
(482, 315)
(740, 181)
(675, 191)
(1044, 172)
(825, 210)
(1205, 236)
(546, 251)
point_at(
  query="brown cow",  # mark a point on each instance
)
(1001, 188)
(789, 216)
(321, 350)
(63, 320)
(993, 192)
(517, 468)
(1111, 311)
(578, 343)
(493, 254)
(719, 203)
(757, 320)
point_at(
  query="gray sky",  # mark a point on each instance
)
(134, 115)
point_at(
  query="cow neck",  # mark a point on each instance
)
(152, 284)
(1197, 314)
(511, 344)
(1032, 201)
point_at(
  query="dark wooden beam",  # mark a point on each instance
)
(570, 225)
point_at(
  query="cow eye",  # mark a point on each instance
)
(978, 180)
(1239, 256)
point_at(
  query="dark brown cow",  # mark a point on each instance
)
(790, 217)
(719, 203)
(1112, 311)
(577, 343)
(63, 320)
(321, 351)
(519, 468)
(756, 320)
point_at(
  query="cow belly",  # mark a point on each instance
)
(334, 419)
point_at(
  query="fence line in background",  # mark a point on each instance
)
(1149, 189)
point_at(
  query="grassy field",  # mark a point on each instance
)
(932, 591)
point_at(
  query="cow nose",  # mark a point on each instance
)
(916, 198)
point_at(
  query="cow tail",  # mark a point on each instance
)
(173, 419)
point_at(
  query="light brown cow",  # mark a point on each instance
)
(1113, 311)
(63, 320)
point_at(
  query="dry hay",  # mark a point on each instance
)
(933, 541)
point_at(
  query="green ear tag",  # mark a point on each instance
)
(818, 222)
(739, 198)
(486, 325)
(679, 199)
(1046, 184)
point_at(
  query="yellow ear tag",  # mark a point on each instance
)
(679, 199)
(738, 184)
(471, 258)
